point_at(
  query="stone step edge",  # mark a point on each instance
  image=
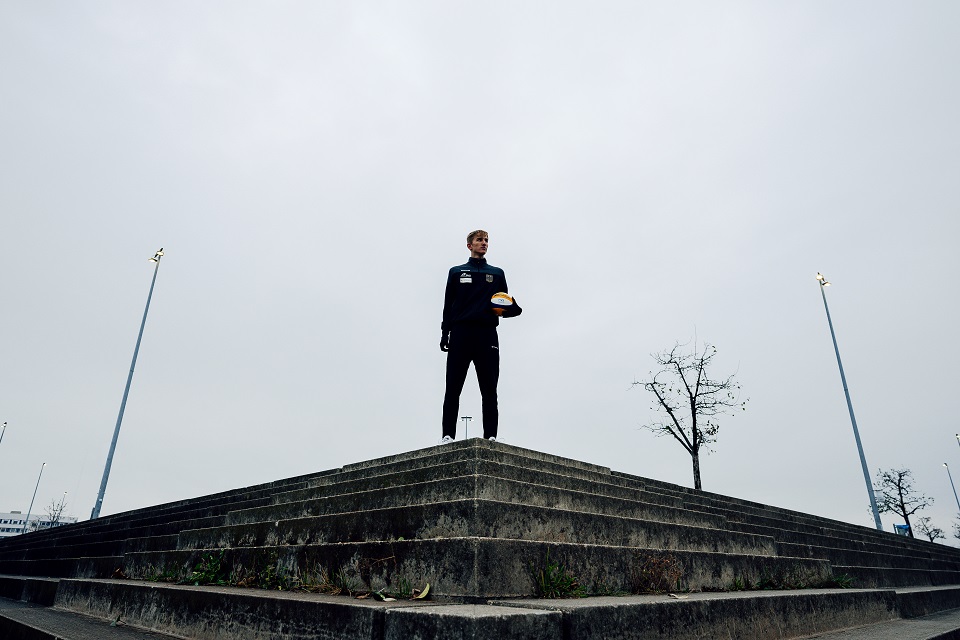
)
(705, 504)
(747, 539)
(349, 489)
(669, 613)
(33, 589)
(477, 443)
(863, 606)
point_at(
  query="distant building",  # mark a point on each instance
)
(12, 523)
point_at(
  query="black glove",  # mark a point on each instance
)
(445, 341)
(513, 310)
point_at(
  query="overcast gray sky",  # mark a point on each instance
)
(648, 173)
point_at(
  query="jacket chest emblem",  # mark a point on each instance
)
(489, 278)
(466, 278)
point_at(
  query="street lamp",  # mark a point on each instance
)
(949, 475)
(4, 431)
(26, 523)
(856, 433)
(466, 426)
(123, 403)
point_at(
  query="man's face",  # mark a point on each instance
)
(478, 248)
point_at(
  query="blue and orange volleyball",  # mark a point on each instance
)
(501, 301)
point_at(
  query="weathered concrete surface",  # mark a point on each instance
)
(917, 602)
(215, 613)
(475, 569)
(939, 626)
(27, 589)
(475, 519)
(747, 616)
(24, 621)
(472, 622)
(459, 518)
(484, 480)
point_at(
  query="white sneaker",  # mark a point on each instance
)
(446, 440)
(492, 439)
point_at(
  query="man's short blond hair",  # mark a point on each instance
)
(474, 234)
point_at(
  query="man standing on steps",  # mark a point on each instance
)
(469, 333)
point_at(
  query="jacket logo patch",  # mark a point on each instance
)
(489, 278)
(465, 278)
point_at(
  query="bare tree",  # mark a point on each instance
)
(932, 533)
(895, 494)
(55, 510)
(691, 399)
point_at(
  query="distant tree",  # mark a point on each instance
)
(956, 528)
(895, 494)
(932, 533)
(55, 510)
(691, 399)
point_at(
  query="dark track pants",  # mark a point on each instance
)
(481, 346)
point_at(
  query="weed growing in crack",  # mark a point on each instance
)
(209, 570)
(552, 580)
(655, 572)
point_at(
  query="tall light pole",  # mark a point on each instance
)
(26, 523)
(856, 433)
(123, 403)
(953, 486)
(466, 426)
(4, 430)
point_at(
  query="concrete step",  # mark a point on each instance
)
(473, 569)
(867, 558)
(808, 523)
(29, 589)
(338, 485)
(478, 518)
(880, 545)
(477, 444)
(113, 526)
(489, 486)
(200, 612)
(748, 615)
(897, 577)
(238, 614)
(107, 543)
(88, 567)
(794, 532)
(392, 469)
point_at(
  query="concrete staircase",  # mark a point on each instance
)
(479, 522)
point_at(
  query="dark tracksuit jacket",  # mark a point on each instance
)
(472, 324)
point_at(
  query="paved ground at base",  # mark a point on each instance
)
(939, 626)
(64, 624)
